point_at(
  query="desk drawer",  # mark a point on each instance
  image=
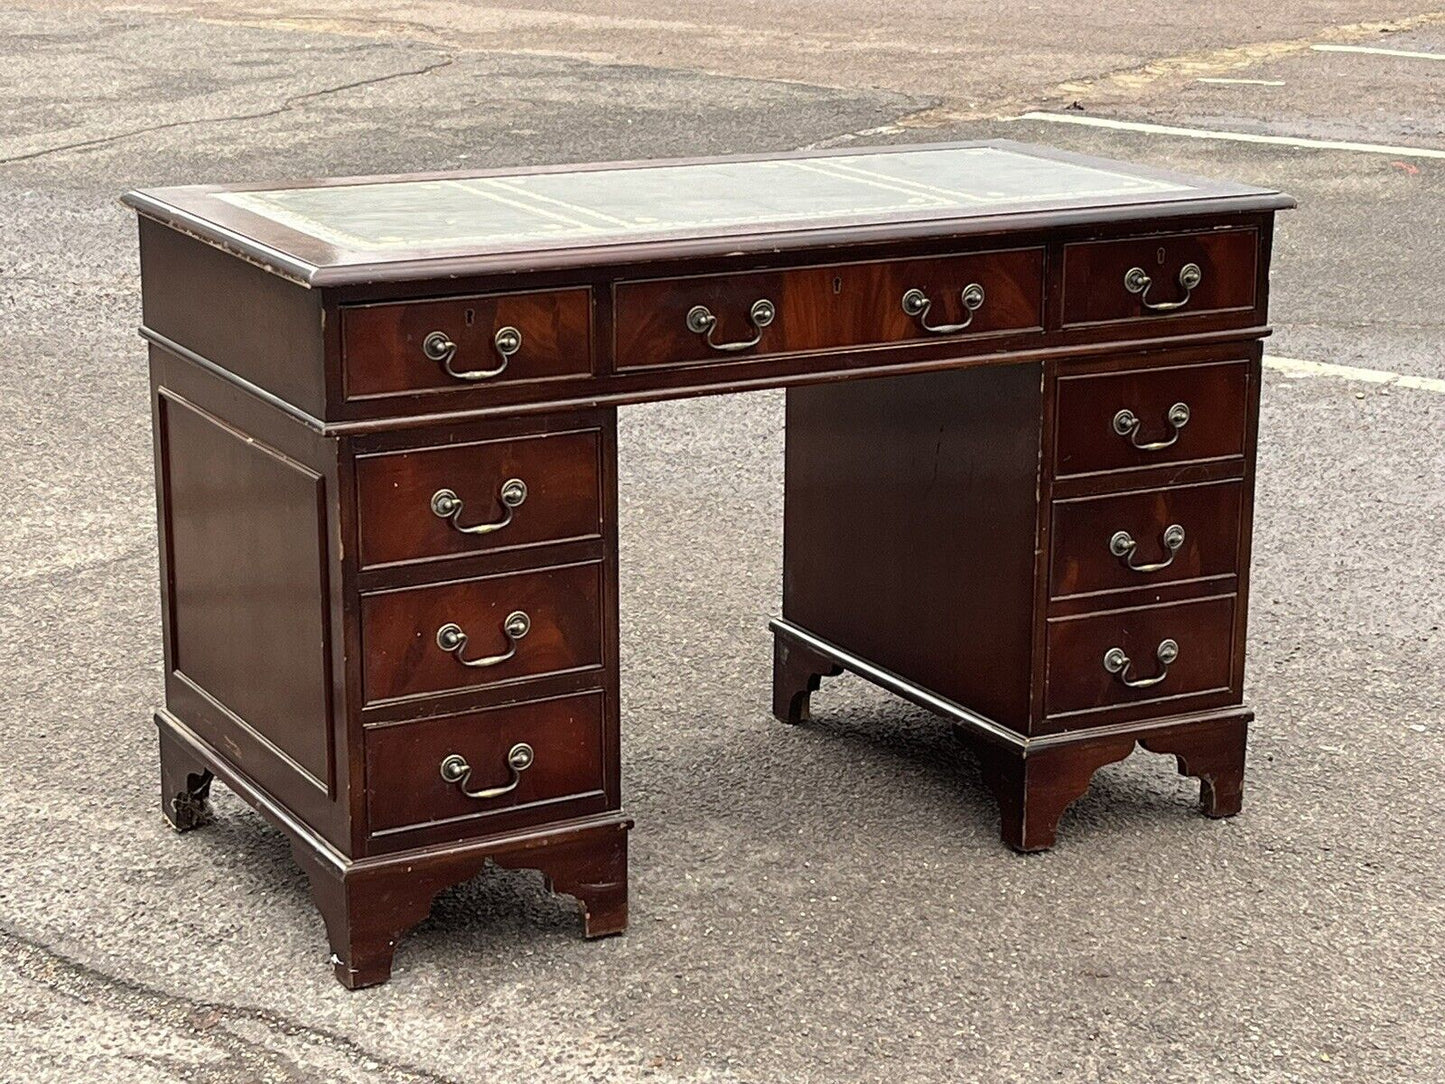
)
(1145, 538)
(1160, 278)
(561, 759)
(426, 640)
(480, 497)
(1093, 660)
(1114, 421)
(418, 346)
(670, 321)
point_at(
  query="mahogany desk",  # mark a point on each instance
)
(385, 441)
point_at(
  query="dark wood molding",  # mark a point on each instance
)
(797, 674)
(1214, 754)
(1034, 789)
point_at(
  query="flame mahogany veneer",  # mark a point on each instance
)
(1022, 401)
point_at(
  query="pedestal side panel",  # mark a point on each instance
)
(245, 529)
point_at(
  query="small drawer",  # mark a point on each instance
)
(477, 498)
(716, 318)
(465, 342)
(1161, 277)
(522, 759)
(476, 632)
(1142, 539)
(1124, 656)
(1145, 417)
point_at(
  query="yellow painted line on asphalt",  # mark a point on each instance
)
(1373, 51)
(1241, 82)
(1300, 367)
(1235, 137)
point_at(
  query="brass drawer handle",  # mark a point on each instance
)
(452, 639)
(439, 347)
(917, 304)
(445, 504)
(1126, 424)
(1117, 663)
(455, 769)
(1137, 281)
(1123, 546)
(701, 321)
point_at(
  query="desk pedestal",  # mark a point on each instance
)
(943, 541)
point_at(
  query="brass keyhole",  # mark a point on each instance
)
(471, 317)
(1161, 255)
(837, 286)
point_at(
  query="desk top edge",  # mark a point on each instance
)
(285, 245)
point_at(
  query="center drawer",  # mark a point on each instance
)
(684, 321)
(483, 631)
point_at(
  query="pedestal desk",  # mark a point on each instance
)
(1022, 397)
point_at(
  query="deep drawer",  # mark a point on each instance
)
(479, 497)
(561, 760)
(1092, 659)
(1145, 417)
(1144, 538)
(463, 342)
(670, 321)
(531, 623)
(1160, 278)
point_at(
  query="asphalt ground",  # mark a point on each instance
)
(821, 903)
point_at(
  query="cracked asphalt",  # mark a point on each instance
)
(826, 903)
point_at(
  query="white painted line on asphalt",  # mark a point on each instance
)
(1236, 137)
(1300, 367)
(1242, 82)
(1377, 52)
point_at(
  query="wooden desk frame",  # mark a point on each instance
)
(944, 502)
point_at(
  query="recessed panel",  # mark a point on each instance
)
(246, 529)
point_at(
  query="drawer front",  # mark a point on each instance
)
(826, 308)
(1149, 278)
(562, 760)
(395, 349)
(419, 640)
(1115, 421)
(1084, 671)
(480, 497)
(1145, 538)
